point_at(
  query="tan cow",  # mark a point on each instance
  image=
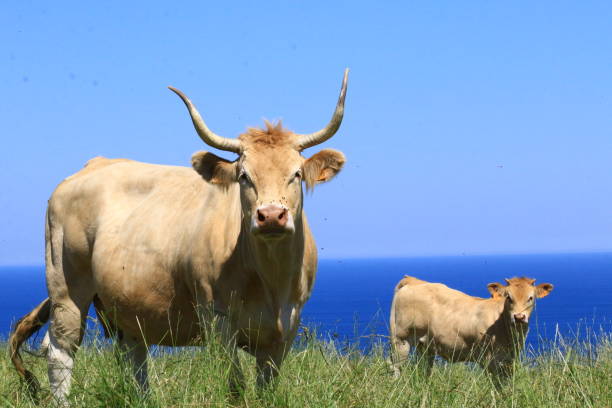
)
(437, 320)
(165, 250)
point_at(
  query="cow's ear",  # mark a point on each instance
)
(322, 167)
(496, 289)
(213, 168)
(543, 289)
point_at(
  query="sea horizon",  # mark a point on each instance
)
(352, 296)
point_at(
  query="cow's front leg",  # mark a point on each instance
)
(500, 371)
(228, 339)
(216, 326)
(134, 353)
(269, 360)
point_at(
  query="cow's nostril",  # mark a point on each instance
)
(260, 216)
(281, 215)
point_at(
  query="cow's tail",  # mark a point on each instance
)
(395, 342)
(23, 330)
(392, 361)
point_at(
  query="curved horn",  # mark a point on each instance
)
(210, 138)
(328, 131)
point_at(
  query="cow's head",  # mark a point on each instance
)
(270, 169)
(519, 295)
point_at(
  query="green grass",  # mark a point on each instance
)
(315, 374)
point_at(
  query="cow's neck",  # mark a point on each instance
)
(510, 334)
(279, 265)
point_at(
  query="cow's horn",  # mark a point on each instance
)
(328, 131)
(210, 138)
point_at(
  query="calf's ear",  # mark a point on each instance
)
(496, 289)
(213, 168)
(543, 289)
(322, 167)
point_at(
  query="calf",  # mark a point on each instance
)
(438, 320)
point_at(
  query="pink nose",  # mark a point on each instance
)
(521, 317)
(271, 218)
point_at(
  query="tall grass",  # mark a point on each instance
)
(317, 373)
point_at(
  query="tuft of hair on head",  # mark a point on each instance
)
(271, 134)
(522, 280)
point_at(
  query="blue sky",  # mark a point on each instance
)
(470, 127)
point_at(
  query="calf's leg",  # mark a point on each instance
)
(500, 372)
(399, 354)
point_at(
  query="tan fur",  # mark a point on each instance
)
(214, 169)
(271, 135)
(159, 248)
(23, 330)
(408, 280)
(322, 167)
(438, 320)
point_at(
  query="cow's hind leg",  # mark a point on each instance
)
(426, 354)
(400, 348)
(65, 335)
(71, 291)
(425, 361)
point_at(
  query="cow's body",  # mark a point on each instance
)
(438, 320)
(167, 254)
(157, 240)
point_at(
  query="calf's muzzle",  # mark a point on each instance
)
(520, 317)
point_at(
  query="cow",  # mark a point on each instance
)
(166, 252)
(437, 320)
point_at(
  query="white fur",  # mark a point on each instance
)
(60, 364)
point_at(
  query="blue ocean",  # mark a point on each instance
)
(352, 297)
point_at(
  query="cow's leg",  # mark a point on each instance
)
(500, 371)
(426, 360)
(65, 334)
(228, 340)
(425, 348)
(217, 323)
(269, 361)
(44, 345)
(71, 291)
(399, 354)
(135, 354)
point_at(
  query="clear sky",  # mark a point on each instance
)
(470, 127)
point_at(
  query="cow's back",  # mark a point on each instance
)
(136, 228)
(101, 197)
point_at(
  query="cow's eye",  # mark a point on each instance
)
(530, 299)
(297, 176)
(243, 178)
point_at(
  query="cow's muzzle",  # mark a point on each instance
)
(521, 318)
(272, 221)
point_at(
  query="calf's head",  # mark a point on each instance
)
(270, 169)
(519, 295)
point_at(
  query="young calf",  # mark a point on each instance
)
(438, 320)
